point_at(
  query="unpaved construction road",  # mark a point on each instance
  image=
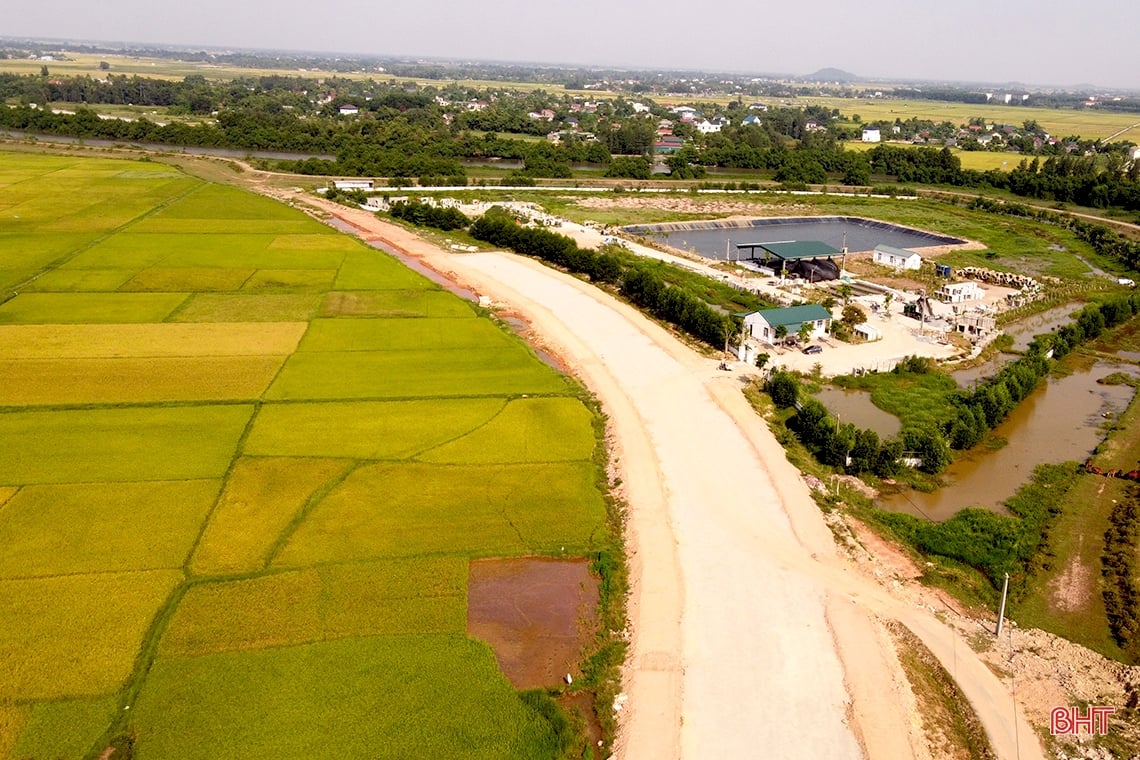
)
(751, 636)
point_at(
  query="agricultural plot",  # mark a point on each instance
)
(91, 527)
(408, 510)
(76, 635)
(414, 374)
(31, 382)
(388, 697)
(247, 462)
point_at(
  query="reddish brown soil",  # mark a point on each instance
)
(537, 614)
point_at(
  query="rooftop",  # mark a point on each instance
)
(794, 249)
(794, 315)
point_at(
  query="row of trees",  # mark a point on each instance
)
(1104, 240)
(642, 287)
(848, 448)
(423, 214)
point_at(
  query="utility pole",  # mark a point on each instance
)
(1001, 613)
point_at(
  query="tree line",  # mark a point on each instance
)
(642, 287)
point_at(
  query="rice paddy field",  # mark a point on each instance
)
(245, 463)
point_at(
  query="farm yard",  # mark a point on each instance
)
(247, 462)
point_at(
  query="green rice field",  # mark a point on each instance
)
(247, 460)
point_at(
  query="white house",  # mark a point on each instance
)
(352, 184)
(349, 110)
(706, 127)
(896, 258)
(957, 292)
(1134, 152)
(871, 135)
(762, 325)
(868, 332)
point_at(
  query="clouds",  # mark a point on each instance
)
(1022, 40)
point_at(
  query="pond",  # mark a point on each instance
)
(1059, 422)
(718, 239)
(856, 407)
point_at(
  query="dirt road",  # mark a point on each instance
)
(751, 636)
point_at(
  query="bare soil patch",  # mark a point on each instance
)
(537, 614)
(1070, 591)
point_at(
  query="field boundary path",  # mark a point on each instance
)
(749, 632)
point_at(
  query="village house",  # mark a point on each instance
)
(871, 135)
(763, 325)
(896, 258)
(349, 110)
(958, 292)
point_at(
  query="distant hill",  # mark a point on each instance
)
(831, 75)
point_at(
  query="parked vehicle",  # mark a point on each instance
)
(814, 349)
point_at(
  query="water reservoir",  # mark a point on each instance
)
(715, 239)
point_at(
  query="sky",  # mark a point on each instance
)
(1039, 42)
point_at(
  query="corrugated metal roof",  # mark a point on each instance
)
(904, 252)
(795, 315)
(796, 249)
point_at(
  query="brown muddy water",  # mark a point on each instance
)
(856, 407)
(1023, 332)
(537, 614)
(1061, 421)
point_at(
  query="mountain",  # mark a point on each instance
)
(831, 75)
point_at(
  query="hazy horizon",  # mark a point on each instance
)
(1017, 41)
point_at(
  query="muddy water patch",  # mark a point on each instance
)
(1059, 422)
(537, 615)
(857, 408)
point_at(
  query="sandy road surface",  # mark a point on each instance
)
(751, 637)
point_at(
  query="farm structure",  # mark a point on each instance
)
(812, 260)
(896, 258)
(763, 325)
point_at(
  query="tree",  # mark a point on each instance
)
(762, 359)
(853, 315)
(781, 332)
(805, 332)
(845, 292)
(887, 303)
(783, 388)
(104, 66)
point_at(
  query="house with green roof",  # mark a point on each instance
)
(763, 325)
